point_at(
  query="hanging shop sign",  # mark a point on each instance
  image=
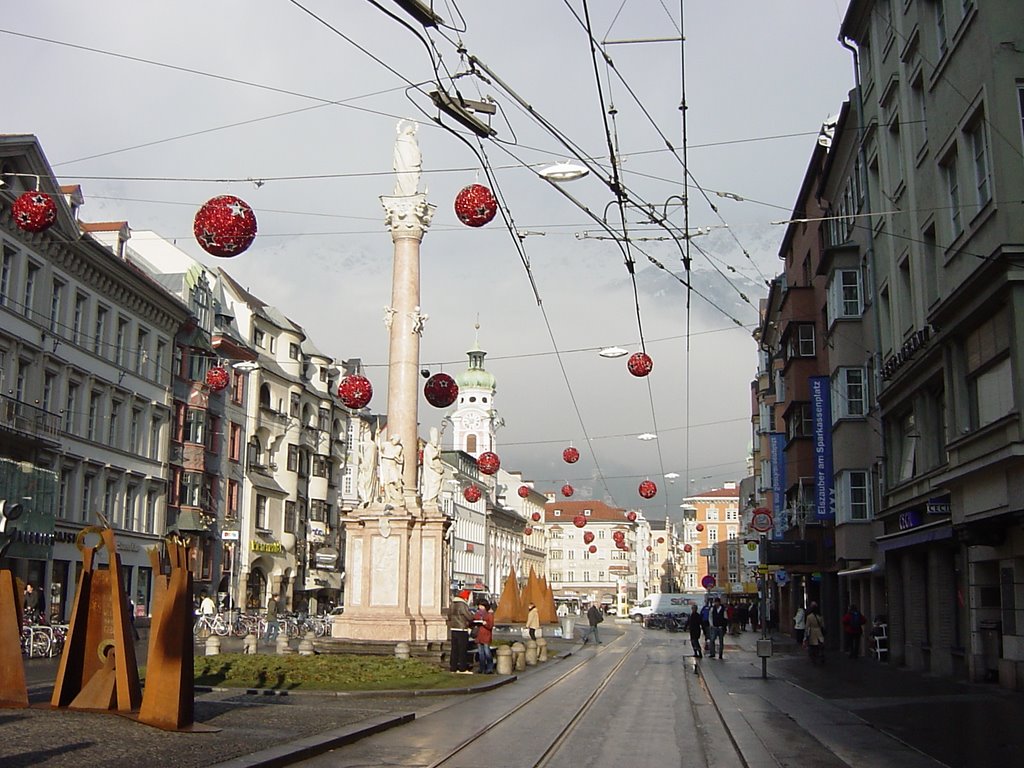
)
(270, 547)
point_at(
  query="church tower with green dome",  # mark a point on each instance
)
(474, 419)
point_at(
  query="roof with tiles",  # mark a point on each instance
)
(599, 512)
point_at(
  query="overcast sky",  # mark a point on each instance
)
(203, 92)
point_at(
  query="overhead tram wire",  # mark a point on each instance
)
(686, 222)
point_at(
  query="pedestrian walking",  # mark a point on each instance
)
(532, 620)
(705, 625)
(719, 625)
(734, 618)
(744, 612)
(273, 625)
(853, 628)
(483, 621)
(459, 620)
(799, 624)
(32, 604)
(695, 626)
(594, 617)
(814, 638)
(755, 614)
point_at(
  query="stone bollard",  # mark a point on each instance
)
(249, 643)
(503, 654)
(401, 650)
(306, 645)
(531, 653)
(212, 645)
(519, 656)
(282, 647)
(542, 649)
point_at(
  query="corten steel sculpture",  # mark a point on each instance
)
(98, 669)
(510, 602)
(13, 691)
(168, 701)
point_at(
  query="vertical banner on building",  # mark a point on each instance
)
(821, 420)
(778, 448)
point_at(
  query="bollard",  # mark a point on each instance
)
(306, 645)
(503, 654)
(282, 647)
(519, 656)
(212, 645)
(249, 643)
(401, 650)
(542, 649)
(531, 653)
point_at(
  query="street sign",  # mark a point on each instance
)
(768, 568)
(781, 577)
(708, 582)
(762, 521)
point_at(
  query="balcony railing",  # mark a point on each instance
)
(28, 419)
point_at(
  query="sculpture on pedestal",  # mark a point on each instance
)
(392, 466)
(407, 161)
(367, 482)
(433, 469)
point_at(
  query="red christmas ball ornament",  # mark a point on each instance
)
(217, 379)
(535, 517)
(527, 531)
(225, 226)
(441, 390)
(640, 364)
(475, 205)
(355, 391)
(661, 539)
(619, 536)
(687, 548)
(592, 548)
(34, 211)
(647, 489)
(568, 490)
(524, 491)
(631, 516)
(649, 548)
(579, 521)
(570, 455)
(588, 536)
(472, 494)
(488, 462)
(700, 526)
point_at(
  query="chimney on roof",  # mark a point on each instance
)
(74, 198)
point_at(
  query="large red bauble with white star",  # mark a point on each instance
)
(217, 379)
(640, 364)
(34, 211)
(472, 494)
(579, 521)
(631, 516)
(524, 491)
(488, 463)
(225, 226)
(592, 548)
(570, 455)
(588, 536)
(568, 490)
(647, 489)
(441, 390)
(535, 517)
(475, 205)
(355, 391)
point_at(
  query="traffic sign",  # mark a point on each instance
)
(762, 521)
(708, 582)
(781, 577)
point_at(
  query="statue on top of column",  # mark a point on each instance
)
(432, 471)
(407, 160)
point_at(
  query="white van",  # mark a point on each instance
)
(665, 603)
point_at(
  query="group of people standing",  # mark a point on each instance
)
(464, 625)
(714, 620)
(809, 629)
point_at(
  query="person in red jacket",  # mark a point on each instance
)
(483, 620)
(853, 628)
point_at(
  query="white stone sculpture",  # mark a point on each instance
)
(407, 161)
(433, 470)
(392, 466)
(367, 484)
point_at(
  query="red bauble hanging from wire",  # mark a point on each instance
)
(619, 536)
(524, 491)
(570, 455)
(527, 531)
(661, 539)
(34, 211)
(687, 548)
(568, 490)
(472, 494)
(588, 536)
(640, 364)
(700, 526)
(647, 489)
(217, 379)
(355, 391)
(535, 517)
(631, 516)
(225, 226)
(488, 462)
(592, 548)
(579, 521)
(649, 548)
(441, 390)
(475, 205)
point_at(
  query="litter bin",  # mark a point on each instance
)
(568, 626)
(991, 648)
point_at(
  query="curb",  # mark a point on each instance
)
(302, 749)
(389, 692)
(751, 750)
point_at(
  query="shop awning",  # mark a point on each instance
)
(922, 534)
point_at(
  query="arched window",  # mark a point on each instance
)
(470, 443)
(265, 396)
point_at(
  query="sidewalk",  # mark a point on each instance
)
(858, 712)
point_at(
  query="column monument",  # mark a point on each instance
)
(395, 588)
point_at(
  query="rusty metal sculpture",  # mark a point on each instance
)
(98, 669)
(168, 701)
(13, 691)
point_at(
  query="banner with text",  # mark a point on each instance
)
(821, 421)
(778, 447)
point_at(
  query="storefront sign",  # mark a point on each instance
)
(903, 355)
(271, 547)
(229, 535)
(909, 519)
(939, 506)
(128, 546)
